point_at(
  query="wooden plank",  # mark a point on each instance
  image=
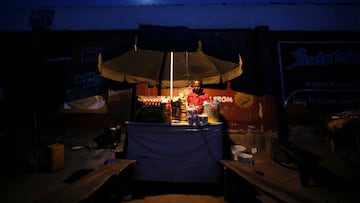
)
(86, 186)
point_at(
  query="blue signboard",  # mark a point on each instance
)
(320, 74)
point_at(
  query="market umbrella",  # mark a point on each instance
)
(170, 57)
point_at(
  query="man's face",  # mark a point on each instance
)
(196, 87)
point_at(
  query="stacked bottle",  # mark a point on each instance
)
(169, 109)
(151, 110)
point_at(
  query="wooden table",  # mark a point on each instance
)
(277, 183)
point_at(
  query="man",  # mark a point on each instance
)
(197, 96)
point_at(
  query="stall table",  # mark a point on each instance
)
(175, 152)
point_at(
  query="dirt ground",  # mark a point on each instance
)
(82, 155)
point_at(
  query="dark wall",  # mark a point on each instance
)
(30, 85)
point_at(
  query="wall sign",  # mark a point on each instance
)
(41, 18)
(320, 73)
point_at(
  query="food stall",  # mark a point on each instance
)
(170, 142)
(173, 150)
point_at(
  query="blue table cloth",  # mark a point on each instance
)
(175, 153)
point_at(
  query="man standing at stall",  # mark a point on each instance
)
(197, 96)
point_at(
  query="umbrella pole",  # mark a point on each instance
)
(171, 74)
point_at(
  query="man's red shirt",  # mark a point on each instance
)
(197, 100)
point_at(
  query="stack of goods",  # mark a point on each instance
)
(211, 109)
(192, 115)
(183, 109)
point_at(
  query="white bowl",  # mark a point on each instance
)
(235, 149)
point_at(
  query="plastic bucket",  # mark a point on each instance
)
(245, 158)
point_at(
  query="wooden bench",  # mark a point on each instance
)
(87, 186)
(268, 180)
